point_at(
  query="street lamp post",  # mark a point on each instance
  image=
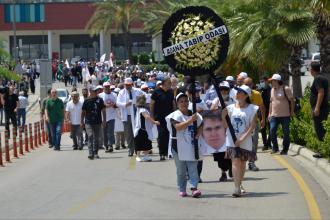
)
(14, 30)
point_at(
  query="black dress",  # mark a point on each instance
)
(141, 141)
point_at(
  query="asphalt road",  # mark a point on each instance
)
(46, 184)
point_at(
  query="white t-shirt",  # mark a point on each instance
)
(138, 125)
(186, 151)
(216, 101)
(75, 111)
(201, 106)
(241, 119)
(108, 99)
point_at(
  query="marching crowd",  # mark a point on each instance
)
(120, 109)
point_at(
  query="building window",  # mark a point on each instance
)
(33, 47)
(25, 13)
(140, 43)
(79, 47)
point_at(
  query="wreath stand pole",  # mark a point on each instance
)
(193, 89)
(223, 105)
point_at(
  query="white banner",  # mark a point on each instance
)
(210, 35)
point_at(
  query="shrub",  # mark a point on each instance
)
(302, 130)
(144, 59)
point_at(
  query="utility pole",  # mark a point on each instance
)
(14, 29)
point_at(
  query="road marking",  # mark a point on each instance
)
(90, 201)
(314, 210)
(132, 163)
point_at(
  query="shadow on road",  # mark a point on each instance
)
(274, 169)
(264, 194)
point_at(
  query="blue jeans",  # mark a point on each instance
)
(56, 132)
(181, 172)
(50, 137)
(74, 81)
(109, 133)
(285, 122)
(21, 113)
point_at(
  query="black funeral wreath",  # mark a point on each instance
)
(198, 58)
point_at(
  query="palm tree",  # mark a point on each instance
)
(118, 14)
(270, 34)
(159, 11)
(321, 10)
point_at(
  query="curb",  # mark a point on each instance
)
(320, 163)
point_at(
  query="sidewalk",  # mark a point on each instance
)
(31, 116)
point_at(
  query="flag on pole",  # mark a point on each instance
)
(110, 60)
(67, 63)
(102, 58)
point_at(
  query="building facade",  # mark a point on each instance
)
(56, 30)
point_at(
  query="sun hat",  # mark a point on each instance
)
(244, 88)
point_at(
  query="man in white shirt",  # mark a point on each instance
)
(73, 116)
(109, 100)
(21, 109)
(125, 101)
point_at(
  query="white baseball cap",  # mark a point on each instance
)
(224, 84)
(128, 81)
(116, 90)
(106, 84)
(245, 89)
(230, 78)
(276, 77)
(179, 96)
(243, 75)
(158, 83)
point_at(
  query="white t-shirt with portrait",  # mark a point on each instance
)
(241, 119)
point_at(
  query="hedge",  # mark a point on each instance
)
(302, 130)
(7, 74)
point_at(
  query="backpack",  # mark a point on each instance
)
(297, 105)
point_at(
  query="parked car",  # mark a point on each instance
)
(64, 95)
(315, 57)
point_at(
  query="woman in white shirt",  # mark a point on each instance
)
(143, 130)
(180, 125)
(243, 117)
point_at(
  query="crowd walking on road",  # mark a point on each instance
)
(121, 108)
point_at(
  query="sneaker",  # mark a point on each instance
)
(230, 173)
(253, 167)
(183, 194)
(265, 148)
(147, 158)
(123, 146)
(237, 193)
(223, 177)
(50, 146)
(162, 158)
(117, 148)
(80, 148)
(317, 155)
(196, 193)
(138, 159)
(97, 156)
(274, 152)
(110, 149)
(75, 148)
(284, 152)
(91, 157)
(242, 189)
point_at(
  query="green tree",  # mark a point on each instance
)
(118, 14)
(321, 10)
(270, 34)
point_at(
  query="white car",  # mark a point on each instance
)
(64, 95)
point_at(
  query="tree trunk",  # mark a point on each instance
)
(295, 64)
(323, 34)
(285, 73)
(128, 45)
